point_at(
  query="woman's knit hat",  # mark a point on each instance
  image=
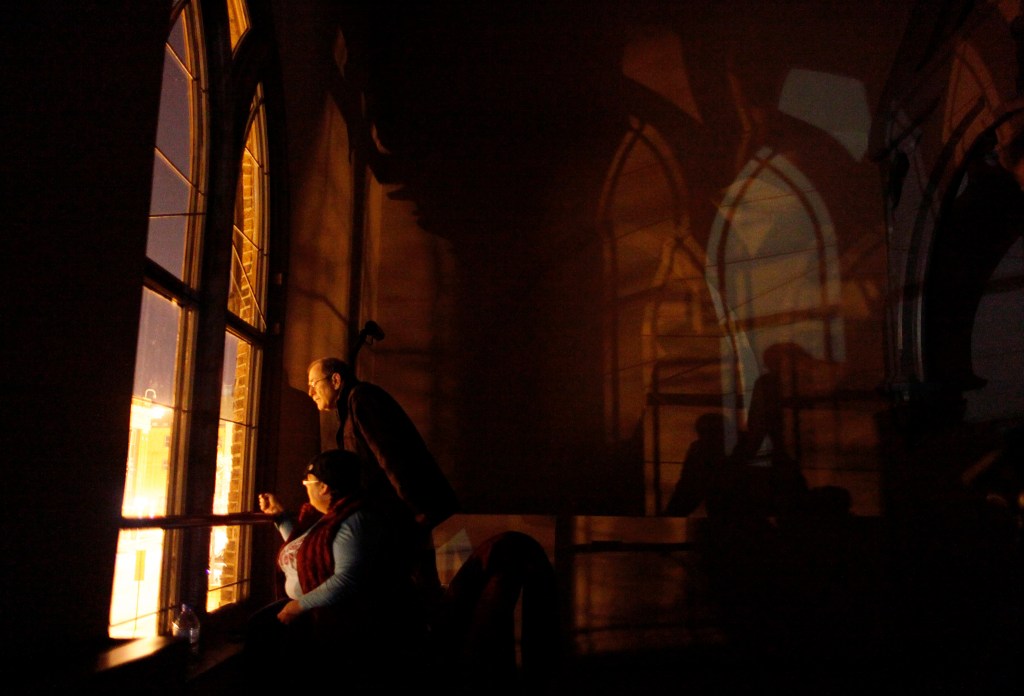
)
(339, 469)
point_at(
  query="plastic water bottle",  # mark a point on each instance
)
(186, 626)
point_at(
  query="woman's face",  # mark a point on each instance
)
(318, 492)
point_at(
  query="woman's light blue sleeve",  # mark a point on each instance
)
(350, 562)
(285, 526)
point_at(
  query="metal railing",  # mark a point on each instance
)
(188, 521)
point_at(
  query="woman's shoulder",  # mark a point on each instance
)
(366, 520)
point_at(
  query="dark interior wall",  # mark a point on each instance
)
(959, 159)
(502, 123)
(954, 562)
(318, 184)
(82, 85)
(517, 213)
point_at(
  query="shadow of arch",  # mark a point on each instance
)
(638, 253)
(967, 106)
(688, 312)
(981, 216)
(659, 363)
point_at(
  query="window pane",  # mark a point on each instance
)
(236, 433)
(176, 171)
(171, 193)
(173, 135)
(249, 246)
(246, 279)
(165, 242)
(135, 596)
(157, 351)
(228, 570)
(135, 603)
(238, 20)
(176, 39)
(149, 456)
(173, 230)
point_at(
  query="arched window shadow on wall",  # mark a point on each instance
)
(662, 341)
(691, 337)
(688, 329)
(774, 275)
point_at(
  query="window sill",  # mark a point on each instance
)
(159, 660)
(214, 670)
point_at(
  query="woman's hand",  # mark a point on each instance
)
(290, 612)
(269, 504)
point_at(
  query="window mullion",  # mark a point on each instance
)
(208, 357)
(165, 283)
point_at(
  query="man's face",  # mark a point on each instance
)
(323, 388)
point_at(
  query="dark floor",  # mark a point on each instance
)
(714, 671)
(700, 671)
(690, 671)
(908, 663)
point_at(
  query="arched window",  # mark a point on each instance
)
(196, 406)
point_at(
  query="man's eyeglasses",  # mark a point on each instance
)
(310, 482)
(312, 385)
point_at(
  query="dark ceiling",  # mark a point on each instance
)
(475, 105)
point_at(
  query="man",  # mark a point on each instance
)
(399, 472)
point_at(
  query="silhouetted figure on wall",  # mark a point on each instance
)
(778, 554)
(703, 458)
(739, 545)
(792, 379)
(736, 538)
(765, 420)
(400, 475)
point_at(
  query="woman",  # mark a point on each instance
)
(348, 599)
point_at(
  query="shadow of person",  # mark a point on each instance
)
(703, 456)
(738, 542)
(824, 589)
